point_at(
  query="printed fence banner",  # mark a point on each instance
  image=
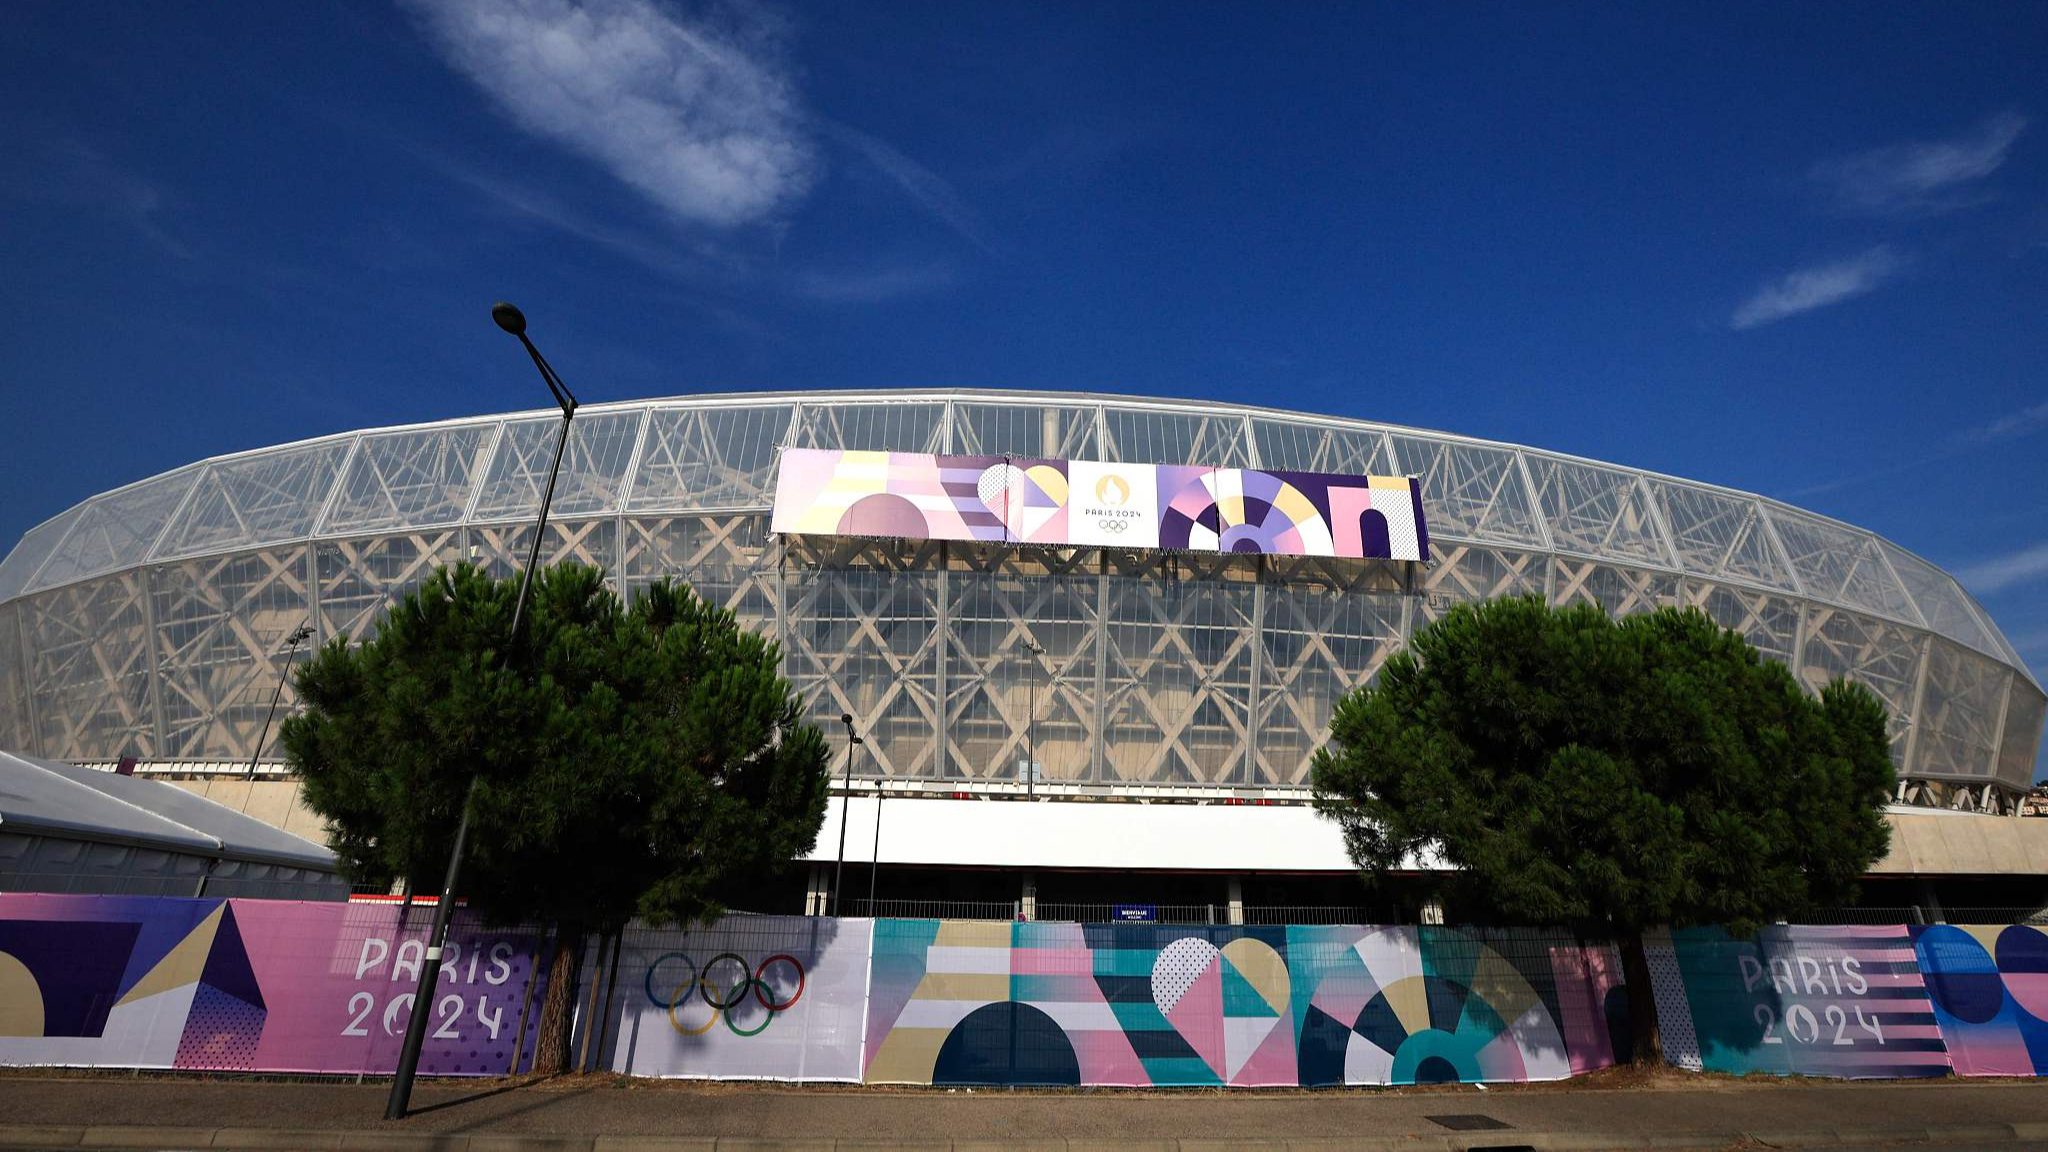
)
(1989, 986)
(971, 1003)
(1005, 499)
(249, 985)
(752, 997)
(1844, 1001)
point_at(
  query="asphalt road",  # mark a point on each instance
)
(117, 1110)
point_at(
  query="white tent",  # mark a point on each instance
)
(69, 829)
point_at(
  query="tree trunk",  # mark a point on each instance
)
(1644, 1039)
(558, 1010)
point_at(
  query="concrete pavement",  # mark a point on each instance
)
(614, 1114)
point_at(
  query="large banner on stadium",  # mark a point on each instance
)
(751, 997)
(1091, 503)
(251, 986)
(1989, 987)
(1841, 1001)
(972, 1003)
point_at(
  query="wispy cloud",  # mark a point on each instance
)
(75, 173)
(696, 114)
(2001, 572)
(2011, 426)
(2024, 422)
(871, 285)
(1804, 289)
(1922, 177)
(927, 189)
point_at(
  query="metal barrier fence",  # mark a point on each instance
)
(1053, 912)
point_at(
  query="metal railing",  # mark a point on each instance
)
(1059, 912)
(2035, 915)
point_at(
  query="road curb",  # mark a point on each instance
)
(158, 1137)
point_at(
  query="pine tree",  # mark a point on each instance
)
(1610, 776)
(643, 762)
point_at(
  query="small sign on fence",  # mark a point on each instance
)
(1135, 913)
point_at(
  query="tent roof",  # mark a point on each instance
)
(67, 801)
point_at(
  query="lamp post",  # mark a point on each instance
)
(514, 322)
(1031, 723)
(853, 741)
(299, 636)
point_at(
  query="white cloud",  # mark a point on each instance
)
(871, 285)
(1805, 289)
(696, 115)
(1922, 176)
(2021, 423)
(926, 188)
(2001, 572)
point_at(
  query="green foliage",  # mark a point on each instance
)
(1609, 775)
(645, 761)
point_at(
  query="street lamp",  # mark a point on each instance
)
(299, 636)
(513, 321)
(1031, 723)
(853, 741)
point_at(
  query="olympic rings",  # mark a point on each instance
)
(761, 986)
(700, 981)
(739, 991)
(683, 990)
(704, 980)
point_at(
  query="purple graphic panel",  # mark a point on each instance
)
(1093, 503)
(250, 985)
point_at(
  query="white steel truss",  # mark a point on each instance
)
(149, 620)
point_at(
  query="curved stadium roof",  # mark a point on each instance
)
(717, 452)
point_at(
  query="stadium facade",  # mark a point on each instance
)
(149, 621)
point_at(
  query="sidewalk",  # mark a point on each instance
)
(618, 1115)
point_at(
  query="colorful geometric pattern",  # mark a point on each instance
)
(1096, 503)
(1843, 1001)
(1989, 987)
(247, 985)
(1138, 1004)
(1430, 1005)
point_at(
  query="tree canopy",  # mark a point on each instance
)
(1610, 775)
(642, 761)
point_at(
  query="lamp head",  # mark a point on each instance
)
(509, 318)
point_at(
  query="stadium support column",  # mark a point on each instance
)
(1236, 900)
(816, 891)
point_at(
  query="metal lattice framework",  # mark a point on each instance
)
(149, 621)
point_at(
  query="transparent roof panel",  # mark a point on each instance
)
(903, 427)
(1295, 446)
(1469, 491)
(1721, 534)
(1942, 605)
(708, 458)
(1602, 511)
(1840, 564)
(1143, 436)
(416, 478)
(255, 499)
(35, 547)
(593, 466)
(117, 530)
(1040, 431)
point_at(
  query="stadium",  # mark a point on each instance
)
(151, 622)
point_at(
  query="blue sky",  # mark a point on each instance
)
(1798, 249)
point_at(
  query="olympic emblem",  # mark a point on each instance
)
(719, 995)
